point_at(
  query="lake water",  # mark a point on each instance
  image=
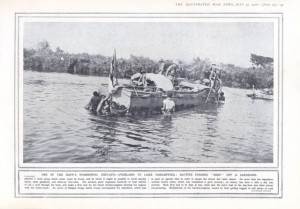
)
(58, 129)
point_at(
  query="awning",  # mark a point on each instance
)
(160, 80)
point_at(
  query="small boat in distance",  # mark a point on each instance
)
(260, 96)
(265, 94)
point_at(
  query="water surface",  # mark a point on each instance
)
(57, 128)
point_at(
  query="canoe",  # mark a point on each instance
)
(260, 96)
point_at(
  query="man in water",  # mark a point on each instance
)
(94, 102)
(168, 105)
(106, 108)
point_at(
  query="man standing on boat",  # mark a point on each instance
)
(213, 75)
(206, 80)
(139, 79)
(142, 80)
(161, 67)
(171, 73)
(168, 105)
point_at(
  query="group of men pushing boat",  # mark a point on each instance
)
(102, 105)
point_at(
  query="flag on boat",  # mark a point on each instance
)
(112, 80)
(113, 65)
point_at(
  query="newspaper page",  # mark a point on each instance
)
(183, 101)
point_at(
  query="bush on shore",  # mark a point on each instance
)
(44, 59)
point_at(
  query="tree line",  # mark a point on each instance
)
(44, 59)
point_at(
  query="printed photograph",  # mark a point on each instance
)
(148, 92)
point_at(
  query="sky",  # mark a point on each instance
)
(220, 42)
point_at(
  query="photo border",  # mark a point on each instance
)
(18, 167)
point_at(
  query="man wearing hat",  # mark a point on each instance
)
(213, 74)
(161, 66)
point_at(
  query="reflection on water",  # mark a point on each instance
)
(58, 129)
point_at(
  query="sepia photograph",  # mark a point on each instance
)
(149, 91)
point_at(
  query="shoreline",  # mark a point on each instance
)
(83, 75)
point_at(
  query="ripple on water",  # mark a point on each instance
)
(57, 129)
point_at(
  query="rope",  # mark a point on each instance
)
(212, 85)
(232, 93)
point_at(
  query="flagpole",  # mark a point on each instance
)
(115, 66)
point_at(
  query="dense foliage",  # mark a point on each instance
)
(44, 59)
(260, 60)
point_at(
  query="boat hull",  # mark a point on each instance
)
(136, 101)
